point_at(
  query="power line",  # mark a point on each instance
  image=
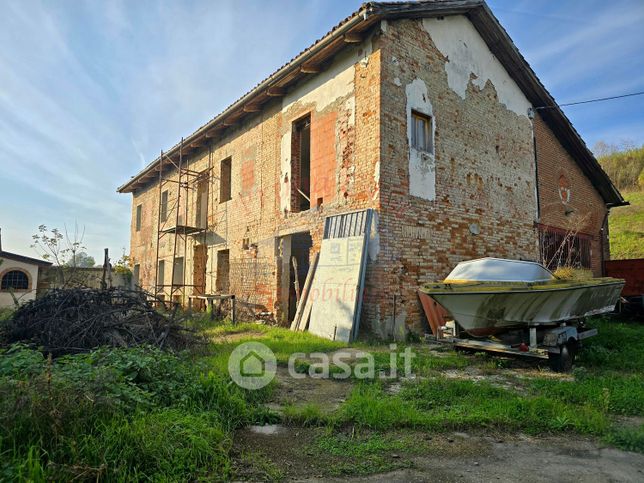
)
(593, 100)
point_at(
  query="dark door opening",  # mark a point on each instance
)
(301, 244)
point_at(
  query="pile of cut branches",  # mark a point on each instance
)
(67, 321)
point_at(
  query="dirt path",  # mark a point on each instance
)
(286, 453)
(520, 459)
(315, 454)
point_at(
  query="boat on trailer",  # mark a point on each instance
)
(520, 304)
(488, 296)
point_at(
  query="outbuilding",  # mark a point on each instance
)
(19, 278)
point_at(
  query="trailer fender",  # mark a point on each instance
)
(554, 338)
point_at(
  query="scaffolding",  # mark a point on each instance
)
(175, 223)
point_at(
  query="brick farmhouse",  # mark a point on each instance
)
(424, 112)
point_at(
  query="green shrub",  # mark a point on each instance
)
(618, 346)
(305, 415)
(625, 226)
(369, 407)
(117, 414)
(440, 403)
(608, 393)
(169, 444)
(630, 439)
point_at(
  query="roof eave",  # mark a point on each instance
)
(272, 81)
(494, 35)
(361, 20)
(24, 259)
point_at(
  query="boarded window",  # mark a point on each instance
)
(301, 165)
(164, 206)
(421, 132)
(225, 178)
(161, 274)
(223, 271)
(136, 275)
(561, 248)
(15, 280)
(139, 214)
(177, 274)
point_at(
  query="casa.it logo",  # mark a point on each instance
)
(252, 365)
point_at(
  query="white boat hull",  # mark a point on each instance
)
(482, 313)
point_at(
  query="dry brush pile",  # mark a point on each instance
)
(68, 321)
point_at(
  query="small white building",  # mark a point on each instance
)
(19, 276)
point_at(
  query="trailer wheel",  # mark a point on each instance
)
(563, 361)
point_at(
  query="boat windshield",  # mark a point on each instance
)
(499, 270)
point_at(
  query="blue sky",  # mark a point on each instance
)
(91, 91)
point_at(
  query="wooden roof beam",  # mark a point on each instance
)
(310, 69)
(352, 38)
(252, 108)
(275, 91)
(214, 132)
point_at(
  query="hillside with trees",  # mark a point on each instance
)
(625, 166)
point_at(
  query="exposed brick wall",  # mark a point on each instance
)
(484, 168)
(248, 169)
(567, 198)
(323, 157)
(485, 203)
(343, 123)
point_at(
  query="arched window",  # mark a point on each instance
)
(15, 280)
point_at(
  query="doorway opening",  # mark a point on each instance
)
(297, 250)
(200, 259)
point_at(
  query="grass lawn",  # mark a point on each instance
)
(626, 228)
(122, 414)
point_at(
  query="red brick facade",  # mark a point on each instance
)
(485, 202)
(567, 199)
(482, 201)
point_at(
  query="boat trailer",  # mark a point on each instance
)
(558, 344)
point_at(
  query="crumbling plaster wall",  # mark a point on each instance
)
(477, 196)
(344, 151)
